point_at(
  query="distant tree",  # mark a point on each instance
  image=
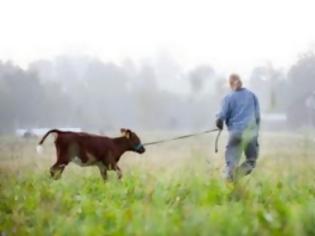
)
(199, 76)
(27, 101)
(270, 86)
(301, 78)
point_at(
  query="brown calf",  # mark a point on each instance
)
(89, 150)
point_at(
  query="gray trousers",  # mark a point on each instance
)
(238, 143)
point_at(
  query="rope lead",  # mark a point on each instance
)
(188, 136)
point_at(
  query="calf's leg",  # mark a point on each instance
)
(103, 170)
(56, 170)
(62, 161)
(118, 172)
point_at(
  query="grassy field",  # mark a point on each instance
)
(173, 189)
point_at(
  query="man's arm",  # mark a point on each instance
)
(223, 114)
(257, 110)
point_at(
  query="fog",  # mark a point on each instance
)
(86, 92)
(153, 65)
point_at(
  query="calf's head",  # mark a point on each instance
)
(134, 141)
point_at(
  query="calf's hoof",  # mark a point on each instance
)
(55, 174)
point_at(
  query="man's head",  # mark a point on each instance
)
(235, 82)
(134, 140)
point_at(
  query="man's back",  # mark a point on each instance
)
(240, 110)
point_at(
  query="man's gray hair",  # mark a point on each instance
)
(235, 82)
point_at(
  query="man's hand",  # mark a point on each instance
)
(219, 124)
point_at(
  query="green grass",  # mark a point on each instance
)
(162, 193)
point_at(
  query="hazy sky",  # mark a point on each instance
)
(231, 35)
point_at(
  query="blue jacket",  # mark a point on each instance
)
(240, 110)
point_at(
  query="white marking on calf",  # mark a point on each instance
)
(39, 149)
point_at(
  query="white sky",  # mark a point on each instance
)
(230, 35)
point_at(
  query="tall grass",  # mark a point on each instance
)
(175, 189)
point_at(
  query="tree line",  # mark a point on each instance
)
(82, 91)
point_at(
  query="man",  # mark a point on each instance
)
(241, 114)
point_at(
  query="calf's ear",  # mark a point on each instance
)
(125, 132)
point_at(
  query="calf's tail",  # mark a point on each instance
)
(39, 147)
